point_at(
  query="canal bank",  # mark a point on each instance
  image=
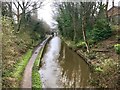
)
(104, 62)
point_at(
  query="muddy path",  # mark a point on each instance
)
(27, 76)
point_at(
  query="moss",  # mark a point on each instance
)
(36, 82)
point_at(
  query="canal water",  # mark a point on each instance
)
(63, 68)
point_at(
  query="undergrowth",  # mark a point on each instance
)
(14, 48)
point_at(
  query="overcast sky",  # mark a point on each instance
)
(46, 13)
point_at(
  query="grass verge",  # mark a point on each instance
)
(20, 67)
(36, 83)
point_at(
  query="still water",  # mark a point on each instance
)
(63, 68)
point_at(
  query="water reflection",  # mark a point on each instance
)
(75, 71)
(49, 71)
(66, 69)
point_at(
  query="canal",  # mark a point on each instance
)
(63, 68)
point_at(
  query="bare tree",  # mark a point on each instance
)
(24, 7)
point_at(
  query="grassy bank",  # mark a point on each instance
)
(20, 67)
(36, 83)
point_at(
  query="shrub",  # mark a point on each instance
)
(81, 44)
(117, 48)
(101, 30)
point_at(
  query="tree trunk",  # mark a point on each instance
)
(112, 3)
(19, 24)
(106, 8)
(74, 21)
(112, 11)
(74, 27)
(18, 14)
(84, 33)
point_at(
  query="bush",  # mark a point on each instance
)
(101, 30)
(117, 48)
(81, 44)
(14, 46)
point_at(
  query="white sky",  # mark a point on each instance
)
(46, 13)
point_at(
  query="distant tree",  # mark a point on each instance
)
(46, 27)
